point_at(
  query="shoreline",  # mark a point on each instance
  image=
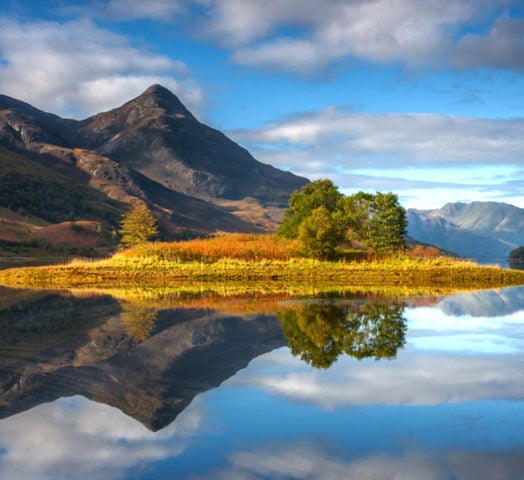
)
(151, 272)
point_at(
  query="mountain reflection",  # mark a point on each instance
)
(150, 355)
(320, 333)
(148, 362)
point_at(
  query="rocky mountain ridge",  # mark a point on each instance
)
(153, 149)
(483, 231)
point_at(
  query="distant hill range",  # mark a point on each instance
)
(483, 231)
(55, 170)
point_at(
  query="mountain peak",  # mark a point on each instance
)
(157, 96)
(157, 89)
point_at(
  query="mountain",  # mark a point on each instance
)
(157, 136)
(152, 149)
(483, 231)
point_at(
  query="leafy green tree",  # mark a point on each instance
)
(516, 258)
(376, 221)
(321, 233)
(359, 217)
(389, 223)
(318, 214)
(138, 225)
(320, 193)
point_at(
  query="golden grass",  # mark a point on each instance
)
(261, 260)
(228, 246)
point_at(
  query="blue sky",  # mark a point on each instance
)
(424, 98)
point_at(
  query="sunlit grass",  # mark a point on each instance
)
(231, 246)
(247, 260)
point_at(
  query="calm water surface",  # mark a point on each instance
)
(340, 387)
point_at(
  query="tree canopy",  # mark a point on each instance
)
(323, 218)
(376, 221)
(321, 233)
(320, 193)
(138, 225)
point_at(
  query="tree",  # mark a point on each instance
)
(376, 221)
(320, 193)
(319, 214)
(389, 223)
(138, 225)
(359, 215)
(321, 233)
(516, 258)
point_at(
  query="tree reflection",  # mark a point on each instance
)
(319, 333)
(138, 320)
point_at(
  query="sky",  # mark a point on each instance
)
(422, 98)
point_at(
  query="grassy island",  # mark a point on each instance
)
(262, 259)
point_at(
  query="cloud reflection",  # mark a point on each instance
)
(304, 460)
(77, 438)
(413, 379)
(448, 359)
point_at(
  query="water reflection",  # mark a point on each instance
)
(320, 333)
(148, 362)
(450, 404)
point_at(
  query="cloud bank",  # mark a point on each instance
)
(396, 152)
(77, 68)
(417, 34)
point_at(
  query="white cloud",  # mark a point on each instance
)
(396, 139)
(236, 23)
(501, 47)
(404, 153)
(381, 31)
(77, 68)
(306, 36)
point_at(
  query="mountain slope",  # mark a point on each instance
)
(497, 220)
(484, 231)
(151, 149)
(157, 136)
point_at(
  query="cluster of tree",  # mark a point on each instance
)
(55, 201)
(323, 219)
(47, 199)
(320, 333)
(516, 258)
